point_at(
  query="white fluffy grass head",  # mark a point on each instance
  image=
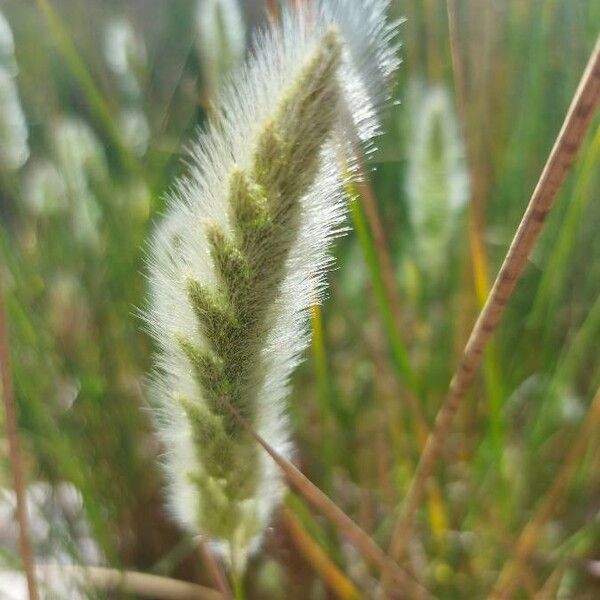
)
(14, 147)
(7, 47)
(241, 255)
(437, 182)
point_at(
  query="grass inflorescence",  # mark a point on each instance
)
(358, 473)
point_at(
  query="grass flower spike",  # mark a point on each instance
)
(7, 47)
(82, 164)
(14, 134)
(437, 183)
(125, 55)
(241, 255)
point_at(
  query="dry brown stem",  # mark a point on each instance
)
(132, 583)
(345, 525)
(559, 162)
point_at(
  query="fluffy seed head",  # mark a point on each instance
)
(437, 182)
(241, 254)
(7, 47)
(44, 188)
(82, 163)
(124, 50)
(125, 55)
(14, 147)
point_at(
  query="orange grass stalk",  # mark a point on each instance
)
(563, 153)
(333, 578)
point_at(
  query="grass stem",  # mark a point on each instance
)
(214, 569)
(548, 506)
(578, 118)
(478, 254)
(399, 352)
(335, 580)
(132, 583)
(16, 463)
(239, 592)
(96, 101)
(345, 525)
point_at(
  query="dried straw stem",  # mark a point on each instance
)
(16, 463)
(345, 525)
(133, 583)
(550, 504)
(563, 153)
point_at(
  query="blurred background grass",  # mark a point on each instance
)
(97, 102)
